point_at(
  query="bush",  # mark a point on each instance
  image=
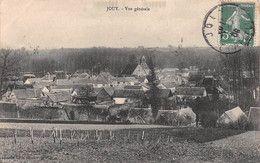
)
(241, 124)
(209, 119)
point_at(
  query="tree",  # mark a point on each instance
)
(152, 93)
(9, 65)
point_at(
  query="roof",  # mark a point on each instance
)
(169, 84)
(195, 77)
(129, 69)
(164, 93)
(170, 69)
(100, 80)
(80, 71)
(145, 85)
(109, 90)
(144, 65)
(133, 87)
(48, 77)
(64, 82)
(140, 79)
(101, 107)
(125, 79)
(190, 91)
(126, 93)
(62, 87)
(83, 75)
(59, 97)
(32, 81)
(235, 113)
(26, 93)
(81, 80)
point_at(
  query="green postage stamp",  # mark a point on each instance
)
(237, 24)
(232, 25)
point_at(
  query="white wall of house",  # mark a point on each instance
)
(120, 100)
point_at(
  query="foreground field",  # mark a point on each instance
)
(158, 145)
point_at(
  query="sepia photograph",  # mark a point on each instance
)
(129, 81)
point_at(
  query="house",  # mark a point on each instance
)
(195, 78)
(208, 82)
(141, 79)
(234, 117)
(62, 88)
(60, 74)
(253, 118)
(145, 87)
(190, 92)
(81, 73)
(141, 69)
(170, 85)
(170, 70)
(165, 101)
(63, 82)
(106, 94)
(122, 96)
(54, 99)
(23, 94)
(32, 81)
(48, 78)
(27, 76)
(138, 87)
(99, 82)
(122, 81)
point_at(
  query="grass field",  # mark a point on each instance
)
(129, 145)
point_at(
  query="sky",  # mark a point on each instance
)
(86, 23)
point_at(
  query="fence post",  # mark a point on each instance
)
(159, 139)
(60, 136)
(171, 139)
(96, 134)
(43, 132)
(110, 135)
(87, 136)
(56, 133)
(128, 136)
(77, 141)
(31, 132)
(70, 133)
(142, 136)
(15, 135)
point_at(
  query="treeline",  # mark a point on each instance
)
(115, 59)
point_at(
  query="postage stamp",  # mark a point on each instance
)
(237, 24)
(231, 25)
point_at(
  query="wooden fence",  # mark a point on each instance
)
(59, 135)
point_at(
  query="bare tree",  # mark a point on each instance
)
(9, 65)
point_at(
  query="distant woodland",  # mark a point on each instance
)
(115, 59)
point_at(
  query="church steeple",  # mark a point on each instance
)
(142, 60)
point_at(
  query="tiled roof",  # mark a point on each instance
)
(129, 69)
(133, 87)
(27, 93)
(164, 93)
(109, 90)
(126, 93)
(190, 91)
(59, 97)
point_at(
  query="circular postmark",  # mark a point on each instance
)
(229, 26)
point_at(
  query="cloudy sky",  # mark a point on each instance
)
(86, 23)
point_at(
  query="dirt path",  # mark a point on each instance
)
(41, 126)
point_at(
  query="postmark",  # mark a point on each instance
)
(228, 27)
